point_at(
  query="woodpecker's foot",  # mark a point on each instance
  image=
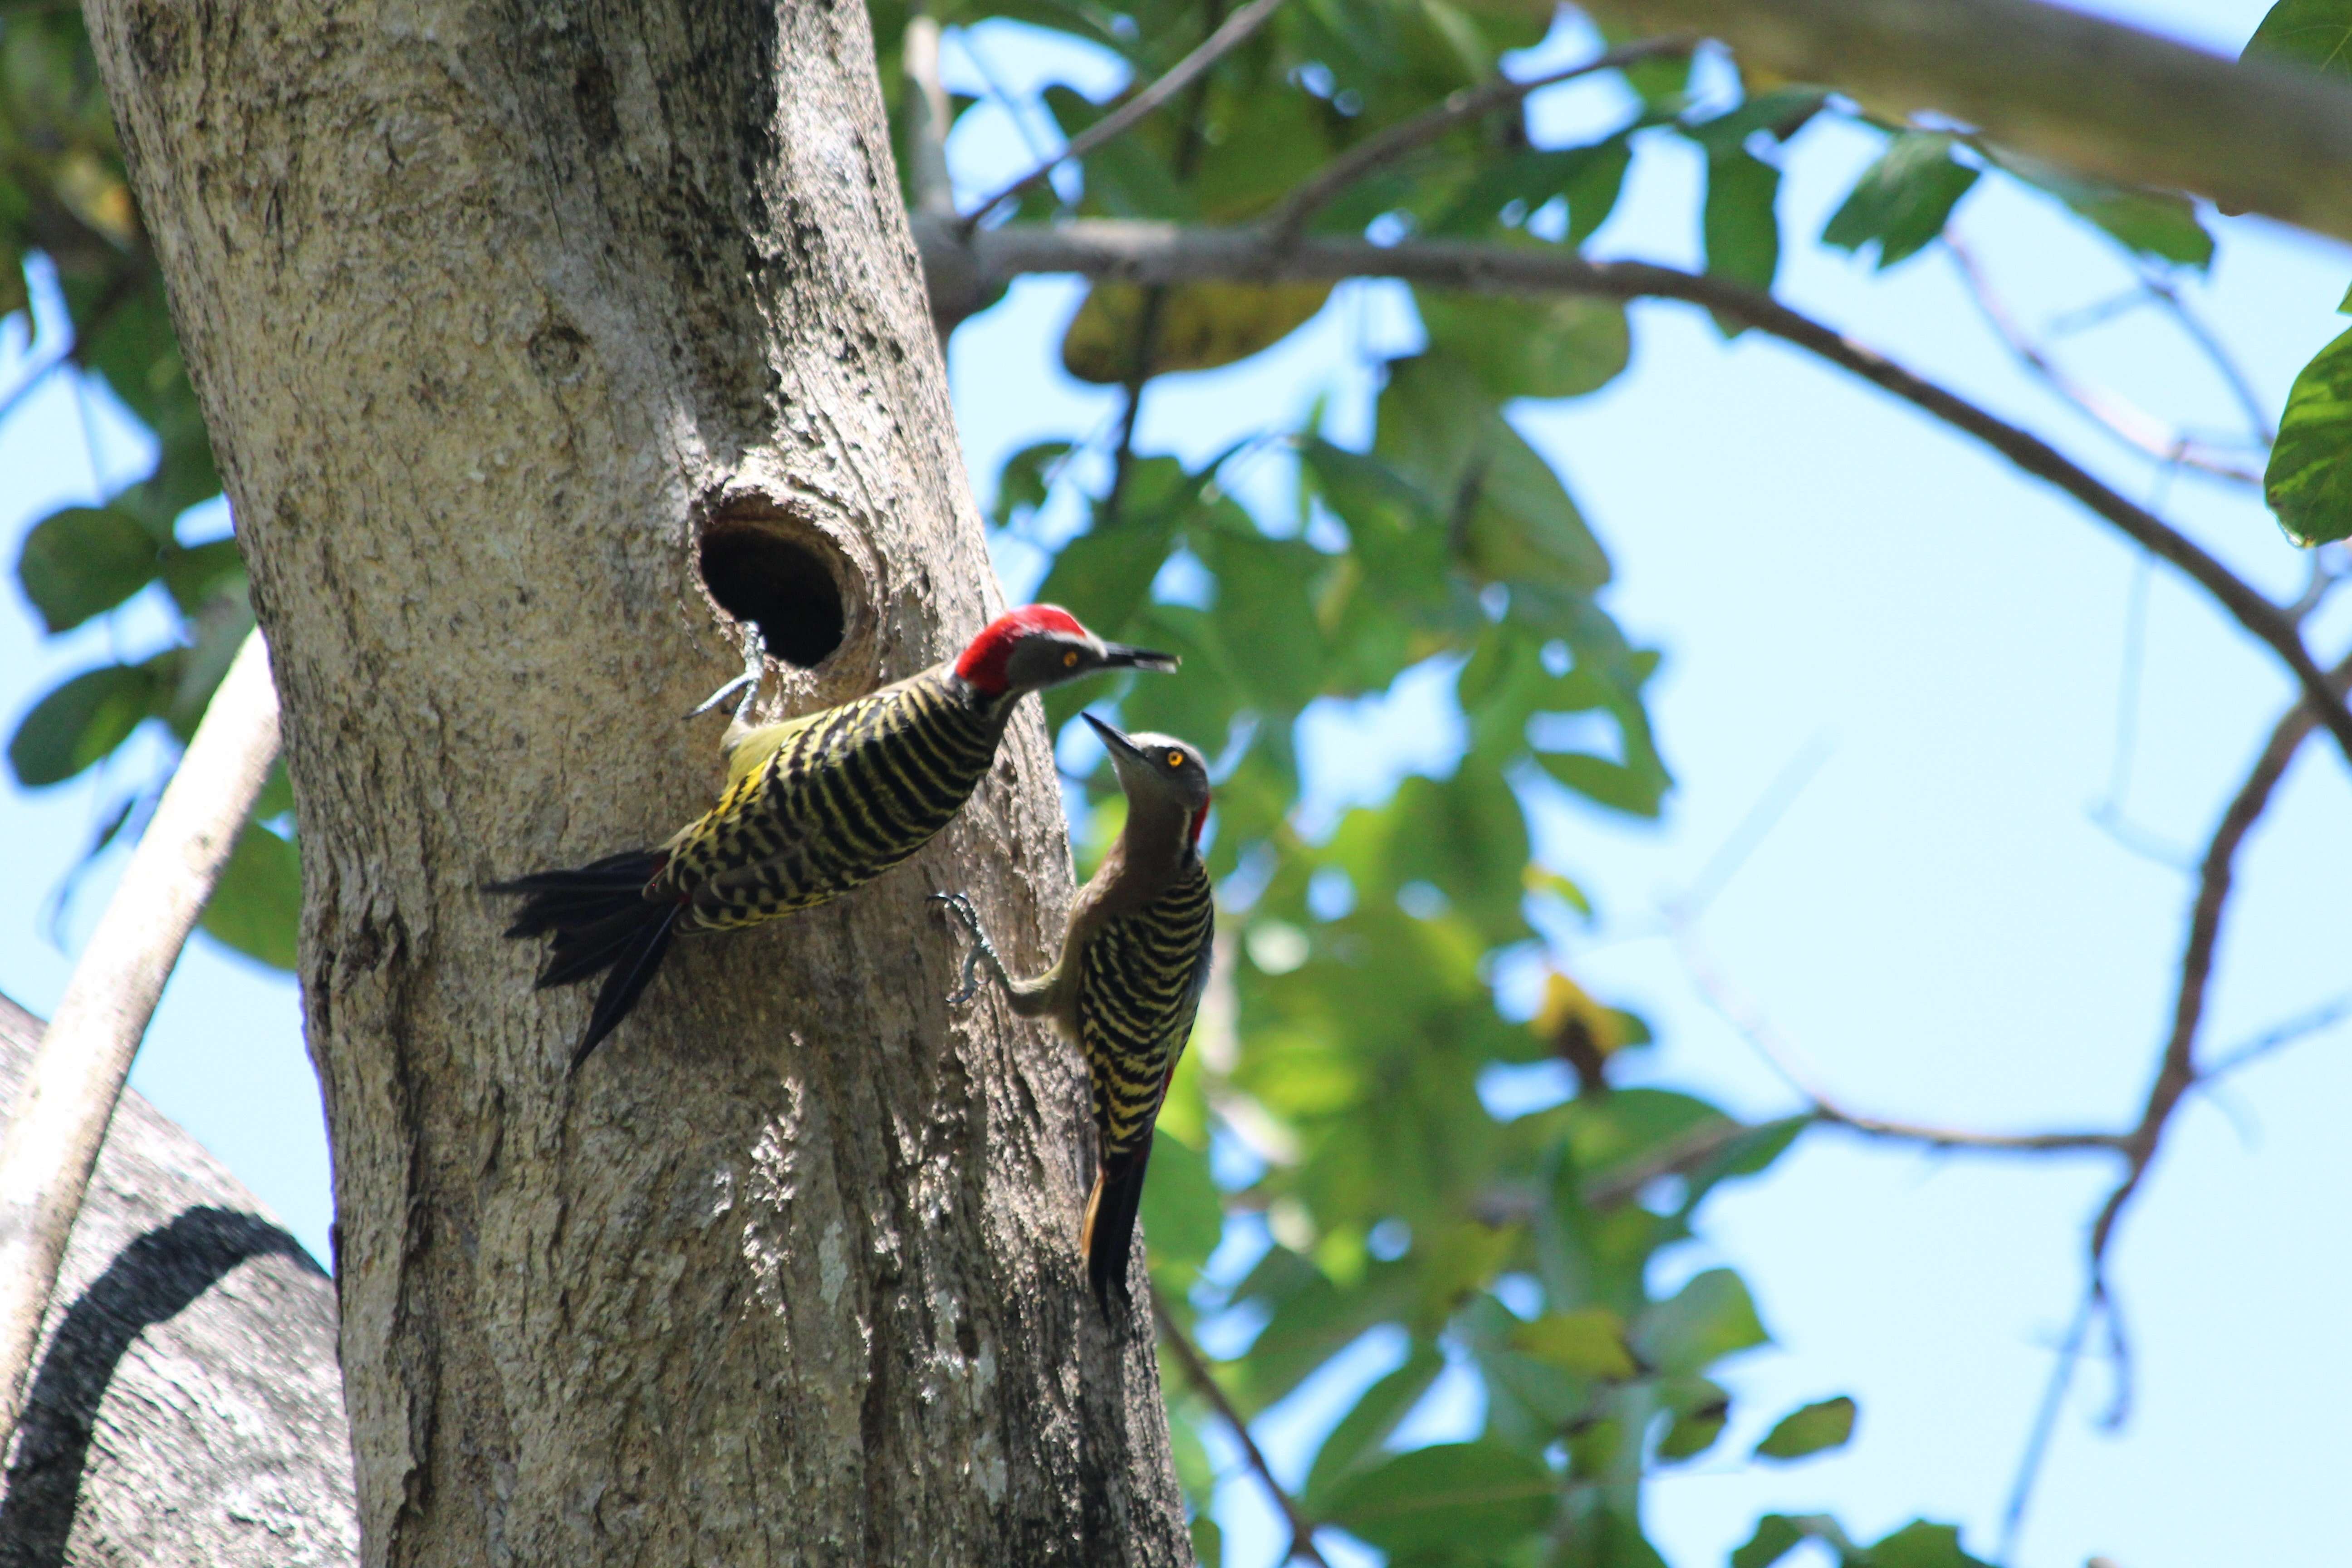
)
(755, 661)
(960, 907)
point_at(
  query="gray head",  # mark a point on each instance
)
(1038, 646)
(1159, 768)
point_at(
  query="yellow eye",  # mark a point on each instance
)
(1070, 660)
(1175, 759)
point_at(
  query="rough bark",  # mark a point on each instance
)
(496, 313)
(185, 1404)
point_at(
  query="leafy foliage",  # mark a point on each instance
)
(1815, 1428)
(2309, 481)
(1902, 202)
(2314, 33)
(64, 197)
(1336, 1079)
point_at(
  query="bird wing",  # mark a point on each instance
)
(752, 748)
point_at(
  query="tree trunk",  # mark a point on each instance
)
(184, 1406)
(529, 338)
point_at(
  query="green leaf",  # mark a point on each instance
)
(1355, 1442)
(2314, 33)
(1021, 484)
(1208, 1541)
(1469, 1497)
(1712, 1317)
(1904, 200)
(1265, 606)
(257, 907)
(1781, 113)
(1105, 577)
(1183, 1217)
(1562, 347)
(196, 575)
(1637, 791)
(1919, 1545)
(1778, 1534)
(84, 561)
(1589, 179)
(1588, 1343)
(1827, 1424)
(1507, 512)
(2152, 223)
(1694, 1432)
(2309, 481)
(1742, 231)
(80, 721)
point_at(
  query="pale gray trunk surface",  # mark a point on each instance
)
(185, 1403)
(496, 314)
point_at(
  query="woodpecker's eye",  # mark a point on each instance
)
(1070, 660)
(1175, 759)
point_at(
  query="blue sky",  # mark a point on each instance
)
(1937, 647)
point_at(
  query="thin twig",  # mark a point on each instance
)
(2326, 1015)
(2176, 1071)
(32, 379)
(2126, 421)
(1002, 95)
(1782, 1056)
(61, 1114)
(1139, 252)
(1761, 818)
(1289, 216)
(1196, 1372)
(2045, 1424)
(1214, 47)
(2225, 365)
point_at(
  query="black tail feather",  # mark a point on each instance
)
(556, 900)
(1107, 1236)
(601, 921)
(634, 968)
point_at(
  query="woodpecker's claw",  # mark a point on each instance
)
(755, 660)
(960, 907)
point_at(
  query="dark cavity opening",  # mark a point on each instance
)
(780, 585)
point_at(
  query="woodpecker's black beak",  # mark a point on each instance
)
(1113, 738)
(1119, 656)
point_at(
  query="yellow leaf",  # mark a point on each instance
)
(1590, 1342)
(1566, 1005)
(1201, 326)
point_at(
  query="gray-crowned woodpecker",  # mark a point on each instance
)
(1134, 963)
(813, 806)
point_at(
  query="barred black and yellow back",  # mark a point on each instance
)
(819, 805)
(813, 806)
(1140, 986)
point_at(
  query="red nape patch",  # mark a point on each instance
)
(983, 663)
(1200, 820)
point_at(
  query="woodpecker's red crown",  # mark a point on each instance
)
(1039, 645)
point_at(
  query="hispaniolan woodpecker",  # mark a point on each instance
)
(813, 806)
(1134, 963)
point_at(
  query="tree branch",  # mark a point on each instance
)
(1138, 252)
(927, 115)
(2128, 423)
(2176, 1071)
(1196, 1372)
(2091, 94)
(61, 1116)
(1743, 1015)
(1290, 217)
(1237, 27)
